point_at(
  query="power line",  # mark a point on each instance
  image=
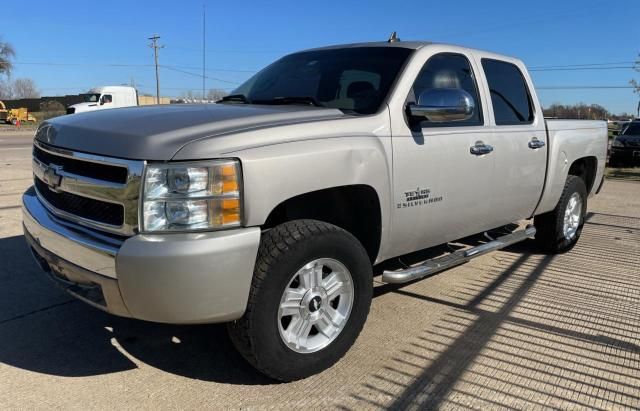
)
(200, 75)
(215, 69)
(592, 66)
(582, 68)
(53, 64)
(39, 63)
(582, 65)
(222, 51)
(581, 87)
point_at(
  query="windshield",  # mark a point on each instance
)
(90, 98)
(633, 129)
(355, 80)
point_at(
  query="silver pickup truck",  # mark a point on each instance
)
(268, 210)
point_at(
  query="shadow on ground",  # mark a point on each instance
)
(532, 331)
(44, 330)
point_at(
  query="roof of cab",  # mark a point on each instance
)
(400, 44)
(414, 45)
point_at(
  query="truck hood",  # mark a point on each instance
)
(629, 140)
(158, 132)
(82, 107)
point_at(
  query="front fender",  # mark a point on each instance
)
(276, 173)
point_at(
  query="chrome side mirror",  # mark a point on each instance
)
(440, 105)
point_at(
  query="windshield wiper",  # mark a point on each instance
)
(305, 100)
(235, 98)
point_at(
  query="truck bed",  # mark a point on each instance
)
(569, 140)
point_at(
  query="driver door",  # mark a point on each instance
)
(442, 191)
(106, 101)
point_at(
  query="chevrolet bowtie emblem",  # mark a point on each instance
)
(52, 177)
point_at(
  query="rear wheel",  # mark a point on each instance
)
(309, 300)
(559, 230)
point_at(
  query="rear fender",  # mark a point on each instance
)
(587, 139)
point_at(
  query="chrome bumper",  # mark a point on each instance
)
(80, 246)
(171, 278)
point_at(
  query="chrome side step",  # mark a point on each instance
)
(456, 258)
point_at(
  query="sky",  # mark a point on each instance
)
(68, 47)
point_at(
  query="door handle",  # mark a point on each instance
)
(480, 148)
(535, 143)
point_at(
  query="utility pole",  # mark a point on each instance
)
(154, 45)
(204, 16)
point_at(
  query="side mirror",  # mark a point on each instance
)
(440, 105)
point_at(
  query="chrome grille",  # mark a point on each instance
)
(114, 174)
(94, 191)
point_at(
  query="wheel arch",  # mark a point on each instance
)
(586, 168)
(354, 208)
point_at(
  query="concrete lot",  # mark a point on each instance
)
(513, 329)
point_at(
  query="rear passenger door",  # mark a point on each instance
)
(519, 140)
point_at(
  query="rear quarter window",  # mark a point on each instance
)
(510, 96)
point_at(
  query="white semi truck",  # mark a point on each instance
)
(101, 98)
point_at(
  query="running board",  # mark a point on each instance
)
(438, 264)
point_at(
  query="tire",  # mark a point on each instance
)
(284, 252)
(551, 235)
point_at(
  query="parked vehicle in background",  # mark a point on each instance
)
(267, 211)
(625, 147)
(101, 98)
(616, 126)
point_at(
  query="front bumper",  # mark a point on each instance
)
(626, 154)
(169, 278)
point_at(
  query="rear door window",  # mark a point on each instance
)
(510, 96)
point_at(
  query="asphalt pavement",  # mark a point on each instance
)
(15, 139)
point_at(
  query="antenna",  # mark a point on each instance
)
(393, 38)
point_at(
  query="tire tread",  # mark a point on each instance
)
(548, 224)
(273, 246)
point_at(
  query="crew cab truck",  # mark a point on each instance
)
(268, 210)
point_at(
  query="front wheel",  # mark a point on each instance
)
(559, 230)
(309, 299)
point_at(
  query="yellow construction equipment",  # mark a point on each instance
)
(15, 115)
(3, 112)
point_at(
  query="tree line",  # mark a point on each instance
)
(13, 88)
(582, 111)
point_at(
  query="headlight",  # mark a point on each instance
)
(191, 196)
(616, 143)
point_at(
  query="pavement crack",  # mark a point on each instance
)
(18, 317)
